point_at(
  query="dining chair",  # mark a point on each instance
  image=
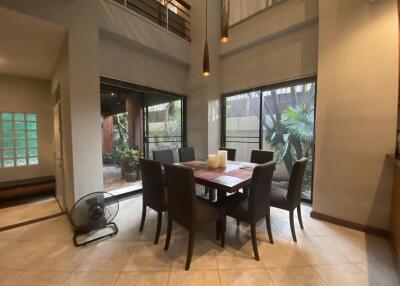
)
(256, 206)
(188, 210)
(290, 198)
(186, 154)
(261, 156)
(164, 156)
(154, 192)
(231, 153)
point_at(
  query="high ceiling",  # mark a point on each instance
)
(29, 47)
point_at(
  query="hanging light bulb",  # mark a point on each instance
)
(224, 21)
(206, 57)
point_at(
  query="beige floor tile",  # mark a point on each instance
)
(203, 254)
(143, 279)
(283, 253)
(298, 276)
(147, 256)
(194, 278)
(9, 277)
(253, 277)
(108, 255)
(345, 274)
(41, 278)
(92, 279)
(386, 272)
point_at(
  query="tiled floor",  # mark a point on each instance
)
(30, 210)
(326, 254)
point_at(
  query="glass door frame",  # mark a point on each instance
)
(261, 89)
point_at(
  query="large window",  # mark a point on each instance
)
(164, 126)
(18, 139)
(278, 117)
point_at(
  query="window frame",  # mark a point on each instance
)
(261, 89)
(14, 139)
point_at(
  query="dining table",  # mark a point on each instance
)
(235, 176)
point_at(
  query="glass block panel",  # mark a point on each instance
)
(8, 153)
(21, 162)
(8, 143)
(19, 125)
(6, 116)
(7, 125)
(8, 163)
(32, 143)
(8, 134)
(31, 125)
(20, 143)
(20, 135)
(33, 161)
(31, 117)
(33, 152)
(20, 153)
(19, 116)
(32, 134)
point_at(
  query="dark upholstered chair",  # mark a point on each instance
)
(154, 193)
(186, 154)
(185, 208)
(261, 156)
(231, 153)
(290, 198)
(164, 156)
(256, 206)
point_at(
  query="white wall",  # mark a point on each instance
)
(20, 94)
(356, 109)
(278, 44)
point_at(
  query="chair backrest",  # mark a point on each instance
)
(261, 156)
(295, 182)
(181, 195)
(153, 184)
(260, 190)
(231, 153)
(164, 156)
(186, 154)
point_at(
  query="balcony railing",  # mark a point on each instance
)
(173, 15)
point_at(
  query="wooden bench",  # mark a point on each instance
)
(26, 187)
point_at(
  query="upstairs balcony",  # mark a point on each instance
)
(173, 15)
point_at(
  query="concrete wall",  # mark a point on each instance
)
(20, 94)
(356, 109)
(278, 44)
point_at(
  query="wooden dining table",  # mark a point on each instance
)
(235, 176)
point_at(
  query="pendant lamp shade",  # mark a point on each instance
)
(224, 21)
(206, 60)
(206, 57)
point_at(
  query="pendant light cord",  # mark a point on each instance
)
(206, 19)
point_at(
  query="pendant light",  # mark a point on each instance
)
(206, 58)
(224, 21)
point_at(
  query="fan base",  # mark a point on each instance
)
(110, 225)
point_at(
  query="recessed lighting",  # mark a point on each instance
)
(112, 94)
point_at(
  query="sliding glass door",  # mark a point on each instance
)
(278, 117)
(164, 124)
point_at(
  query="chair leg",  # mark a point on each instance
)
(169, 231)
(299, 216)
(292, 226)
(223, 230)
(269, 230)
(237, 222)
(218, 229)
(190, 250)
(254, 241)
(143, 217)
(159, 220)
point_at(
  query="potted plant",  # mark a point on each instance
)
(130, 164)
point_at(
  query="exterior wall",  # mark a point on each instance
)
(20, 94)
(356, 110)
